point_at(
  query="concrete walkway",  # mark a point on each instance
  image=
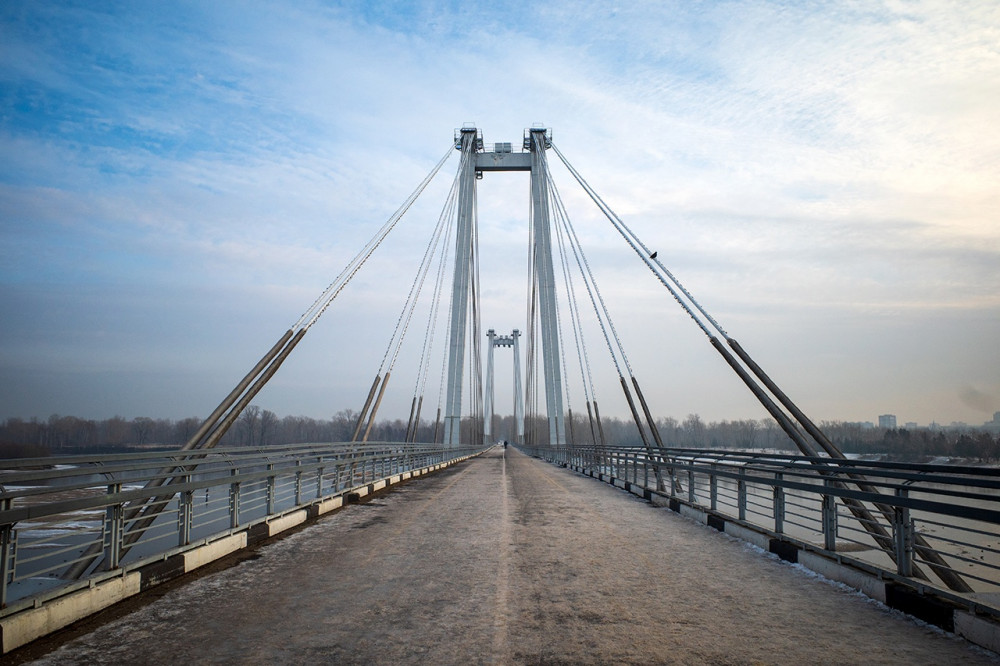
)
(508, 560)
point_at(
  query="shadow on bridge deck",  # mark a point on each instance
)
(506, 559)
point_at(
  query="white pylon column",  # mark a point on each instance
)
(546, 290)
(469, 142)
(488, 408)
(504, 341)
(518, 392)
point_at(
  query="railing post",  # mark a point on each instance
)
(185, 513)
(741, 494)
(114, 519)
(234, 500)
(319, 482)
(7, 536)
(298, 483)
(829, 519)
(902, 533)
(713, 482)
(270, 489)
(691, 496)
(779, 504)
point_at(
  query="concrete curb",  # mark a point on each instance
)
(22, 627)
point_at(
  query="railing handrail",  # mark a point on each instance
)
(74, 465)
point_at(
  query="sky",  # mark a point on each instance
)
(179, 181)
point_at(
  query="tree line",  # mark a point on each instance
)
(262, 427)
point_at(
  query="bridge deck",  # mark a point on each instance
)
(505, 559)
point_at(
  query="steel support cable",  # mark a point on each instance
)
(931, 557)
(475, 327)
(644, 253)
(651, 423)
(587, 278)
(150, 510)
(562, 357)
(531, 357)
(372, 242)
(537, 360)
(574, 311)
(444, 367)
(370, 248)
(664, 455)
(364, 410)
(559, 329)
(375, 406)
(940, 567)
(429, 332)
(596, 300)
(586, 263)
(581, 342)
(783, 420)
(610, 215)
(779, 416)
(530, 306)
(562, 347)
(271, 361)
(197, 441)
(625, 387)
(381, 380)
(409, 421)
(575, 321)
(419, 281)
(431, 327)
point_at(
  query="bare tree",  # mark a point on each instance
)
(694, 428)
(142, 426)
(249, 424)
(747, 432)
(268, 424)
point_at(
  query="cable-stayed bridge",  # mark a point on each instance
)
(80, 533)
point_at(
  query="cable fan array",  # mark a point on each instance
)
(799, 427)
(142, 514)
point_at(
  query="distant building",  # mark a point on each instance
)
(994, 425)
(910, 425)
(887, 421)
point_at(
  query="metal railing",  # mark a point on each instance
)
(80, 512)
(928, 514)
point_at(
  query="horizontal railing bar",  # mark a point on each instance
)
(221, 456)
(17, 514)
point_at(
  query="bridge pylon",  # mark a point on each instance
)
(476, 161)
(504, 341)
